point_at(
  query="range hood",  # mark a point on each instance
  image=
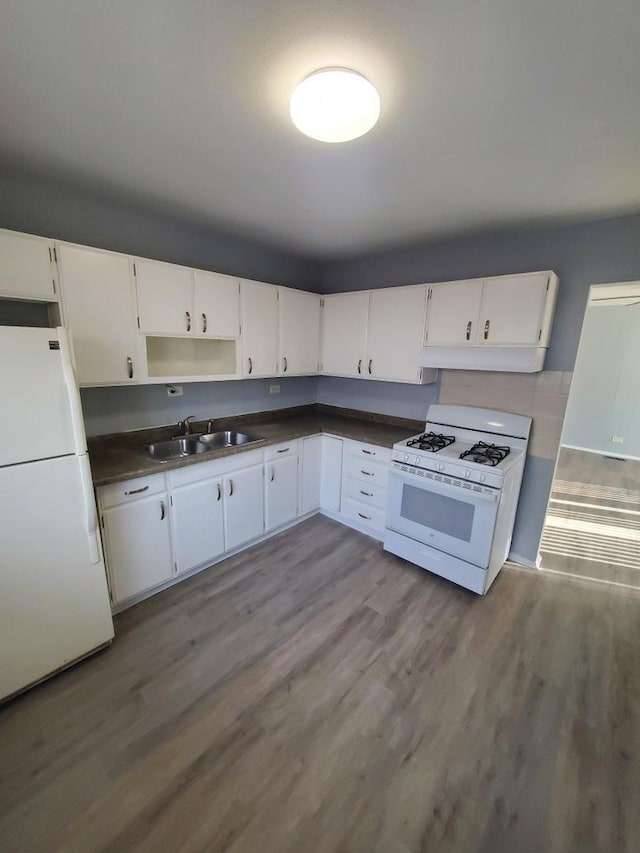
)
(505, 358)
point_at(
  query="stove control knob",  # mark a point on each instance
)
(483, 477)
(467, 473)
(405, 458)
(440, 466)
(416, 460)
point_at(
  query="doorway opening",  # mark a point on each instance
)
(592, 526)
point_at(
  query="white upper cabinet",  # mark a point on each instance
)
(259, 328)
(344, 333)
(165, 298)
(299, 332)
(217, 305)
(396, 329)
(26, 267)
(513, 310)
(453, 310)
(100, 311)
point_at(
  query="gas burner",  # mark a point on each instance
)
(486, 454)
(431, 441)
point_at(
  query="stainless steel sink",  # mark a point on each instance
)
(176, 448)
(227, 438)
(190, 445)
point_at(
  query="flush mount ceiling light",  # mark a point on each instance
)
(335, 105)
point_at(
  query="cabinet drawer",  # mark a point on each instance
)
(367, 493)
(369, 451)
(374, 473)
(214, 467)
(131, 490)
(370, 516)
(279, 451)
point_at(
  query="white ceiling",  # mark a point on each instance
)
(493, 111)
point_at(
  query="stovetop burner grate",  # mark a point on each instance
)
(431, 441)
(486, 454)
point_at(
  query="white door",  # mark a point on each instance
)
(331, 478)
(453, 309)
(26, 269)
(281, 491)
(243, 506)
(395, 335)
(165, 298)
(197, 523)
(217, 305)
(344, 334)
(299, 332)
(100, 310)
(311, 474)
(138, 545)
(54, 603)
(512, 309)
(259, 328)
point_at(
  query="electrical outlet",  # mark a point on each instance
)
(274, 389)
(174, 390)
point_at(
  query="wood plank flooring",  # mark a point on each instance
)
(316, 694)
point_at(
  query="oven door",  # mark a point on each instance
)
(453, 519)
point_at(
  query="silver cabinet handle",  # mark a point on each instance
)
(366, 473)
(163, 511)
(250, 367)
(366, 494)
(468, 335)
(370, 365)
(486, 330)
(230, 488)
(219, 491)
(130, 367)
(273, 474)
(284, 362)
(359, 365)
(188, 319)
(368, 452)
(367, 517)
(204, 324)
(137, 491)
(284, 450)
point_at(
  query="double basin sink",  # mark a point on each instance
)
(192, 445)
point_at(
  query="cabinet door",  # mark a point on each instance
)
(512, 309)
(100, 310)
(281, 491)
(243, 506)
(311, 474)
(26, 270)
(453, 309)
(331, 478)
(344, 333)
(138, 546)
(197, 523)
(259, 328)
(395, 334)
(217, 305)
(299, 332)
(165, 298)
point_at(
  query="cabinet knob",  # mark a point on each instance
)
(468, 335)
(230, 488)
(359, 365)
(486, 330)
(130, 367)
(219, 491)
(163, 511)
(188, 319)
(284, 364)
(250, 366)
(370, 366)
(204, 324)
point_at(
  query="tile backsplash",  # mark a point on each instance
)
(542, 396)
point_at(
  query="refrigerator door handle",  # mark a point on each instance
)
(75, 408)
(91, 515)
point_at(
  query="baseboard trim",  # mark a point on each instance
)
(353, 524)
(518, 560)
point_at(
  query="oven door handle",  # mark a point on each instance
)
(429, 485)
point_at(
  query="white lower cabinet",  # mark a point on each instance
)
(197, 523)
(364, 486)
(310, 473)
(281, 491)
(137, 545)
(331, 475)
(243, 506)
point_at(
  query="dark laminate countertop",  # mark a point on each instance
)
(122, 457)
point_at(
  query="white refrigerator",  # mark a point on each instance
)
(54, 601)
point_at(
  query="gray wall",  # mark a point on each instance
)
(117, 409)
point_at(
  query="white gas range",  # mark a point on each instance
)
(453, 493)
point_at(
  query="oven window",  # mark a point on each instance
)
(450, 516)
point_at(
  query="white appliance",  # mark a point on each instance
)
(54, 602)
(453, 493)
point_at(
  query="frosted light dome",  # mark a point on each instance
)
(335, 105)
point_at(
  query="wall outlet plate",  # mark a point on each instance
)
(174, 391)
(274, 389)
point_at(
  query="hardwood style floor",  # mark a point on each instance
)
(592, 527)
(316, 694)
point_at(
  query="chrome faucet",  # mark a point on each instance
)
(184, 427)
(210, 423)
